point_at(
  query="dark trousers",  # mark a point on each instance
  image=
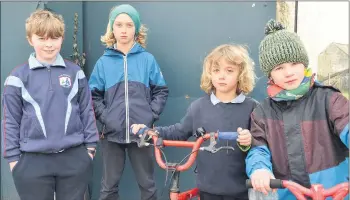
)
(37, 176)
(208, 196)
(113, 159)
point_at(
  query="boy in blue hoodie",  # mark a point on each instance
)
(127, 87)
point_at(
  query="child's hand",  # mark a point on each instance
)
(261, 180)
(137, 127)
(90, 154)
(13, 164)
(244, 137)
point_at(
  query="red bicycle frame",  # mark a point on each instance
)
(316, 192)
(174, 190)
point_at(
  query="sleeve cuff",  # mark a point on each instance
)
(90, 145)
(13, 158)
(244, 148)
(258, 167)
(263, 168)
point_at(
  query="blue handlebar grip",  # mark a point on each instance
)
(228, 135)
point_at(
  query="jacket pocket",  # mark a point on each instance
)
(141, 113)
(75, 126)
(30, 129)
(148, 95)
(113, 120)
(149, 98)
(18, 163)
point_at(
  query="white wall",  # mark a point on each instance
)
(320, 23)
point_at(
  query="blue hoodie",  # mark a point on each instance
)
(127, 89)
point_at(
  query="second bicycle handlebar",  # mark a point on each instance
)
(317, 191)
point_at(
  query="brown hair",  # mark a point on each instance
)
(45, 24)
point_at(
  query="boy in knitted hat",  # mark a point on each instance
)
(127, 87)
(301, 131)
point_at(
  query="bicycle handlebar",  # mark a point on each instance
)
(317, 191)
(194, 145)
(274, 183)
(187, 144)
(227, 135)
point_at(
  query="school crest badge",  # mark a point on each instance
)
(65, 81)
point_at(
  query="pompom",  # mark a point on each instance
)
(273, 26)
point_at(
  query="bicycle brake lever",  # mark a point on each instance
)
(225, 147)
(211, 148)
(142, 142)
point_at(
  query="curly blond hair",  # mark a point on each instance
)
(45, 24)
(235, 54)
(109, 40)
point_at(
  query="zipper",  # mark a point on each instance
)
(126, 85)
(127, 137)
(50, 81)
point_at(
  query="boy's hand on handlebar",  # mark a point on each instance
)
(244, 137)
(137, 127)
(261, 180)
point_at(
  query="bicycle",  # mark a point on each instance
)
(201, 136)
(316, 192)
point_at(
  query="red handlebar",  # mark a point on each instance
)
(170, 143)
(317, 191)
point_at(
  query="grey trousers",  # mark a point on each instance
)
(113, 160)
(60, 176)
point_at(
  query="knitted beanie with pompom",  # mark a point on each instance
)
(280, 46)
